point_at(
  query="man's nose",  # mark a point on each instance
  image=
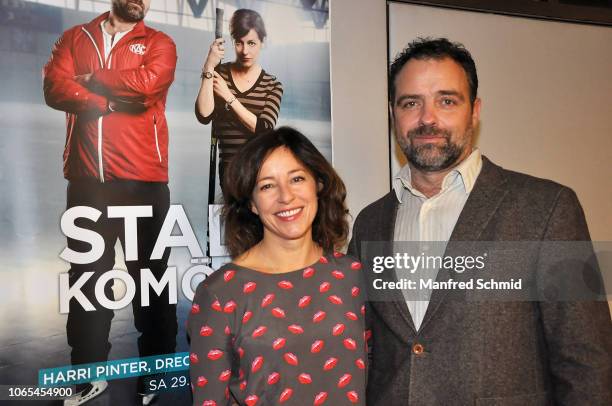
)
(428, 114)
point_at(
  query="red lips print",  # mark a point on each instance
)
(285, 395)
(352, 396)
(278, 343)
(206, 331)
(320, 398)
(330, 364)
(335, 300)
(337, 274)
(251, 400)
(209, 403)
(349, 344)
(318, 316)
(259, 331)
(195, 308)
(305, 379)
(324, 287)
(304, 301)
(216, 306)
(247, 316)
(240, 352)
(338, 254)
(351, 316)
(317, 346)
(249, 287)
(360, 364)
(229, 307)
(243, 385)
(193, 358)
(273, 378)
(355, 291)
(291, 358)
(228, 275)
(257, 364)
(344, 380)
(201, 381)
(355, 266)
(267, 300)
(214, 355)
(308, 272)
(295, 329)
(285, 285)
(278, 313)
(323, 260)
(338, 329)
(225, 375)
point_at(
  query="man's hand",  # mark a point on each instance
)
(83, 79)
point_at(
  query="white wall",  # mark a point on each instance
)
(360, 139)
(545, 88)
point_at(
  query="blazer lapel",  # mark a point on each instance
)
(393, 309)
(481, 206)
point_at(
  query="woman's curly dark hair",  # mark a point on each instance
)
(243, 228)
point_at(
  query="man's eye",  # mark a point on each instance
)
(448, 102)
(410, 104)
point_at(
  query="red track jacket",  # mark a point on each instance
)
(132, 141)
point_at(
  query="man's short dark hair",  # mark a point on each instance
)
(438, 48)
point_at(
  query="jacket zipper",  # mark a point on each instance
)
(100, 158)
(156, 140)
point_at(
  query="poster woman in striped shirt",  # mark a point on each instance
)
(240, 98)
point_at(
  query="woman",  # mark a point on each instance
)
(284, 322)
(239, 97)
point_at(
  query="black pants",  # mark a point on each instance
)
(88, 330)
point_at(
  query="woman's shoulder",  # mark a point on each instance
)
(269, 80)
(222, 282)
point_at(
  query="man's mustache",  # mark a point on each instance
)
(428, 129)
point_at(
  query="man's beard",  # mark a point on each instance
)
(128, 13)
(432, 157)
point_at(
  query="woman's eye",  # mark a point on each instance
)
(265, 186)
(297, 179)
(251, 43)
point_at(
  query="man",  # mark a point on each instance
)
(445, 348)
(111, 77)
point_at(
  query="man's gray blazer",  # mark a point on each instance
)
(491, 353)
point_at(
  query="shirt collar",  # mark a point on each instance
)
(467, 171)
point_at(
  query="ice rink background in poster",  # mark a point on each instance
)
(33, 198)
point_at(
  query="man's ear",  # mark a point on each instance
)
(476, 112)
(391, 115)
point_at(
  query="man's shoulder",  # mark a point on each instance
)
(157, 35)
(523, 183)
(382, 206)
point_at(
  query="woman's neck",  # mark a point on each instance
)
(281, 256)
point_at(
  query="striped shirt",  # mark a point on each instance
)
(431, 219)
(263, 99)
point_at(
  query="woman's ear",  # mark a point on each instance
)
(320, 186)
(253, 208)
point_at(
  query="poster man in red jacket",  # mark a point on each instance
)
(111, 77)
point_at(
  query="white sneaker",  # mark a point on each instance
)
(93, 389)
(148, 399)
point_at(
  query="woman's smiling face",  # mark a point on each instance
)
(285, 197)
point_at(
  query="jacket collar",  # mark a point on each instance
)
(93, 27)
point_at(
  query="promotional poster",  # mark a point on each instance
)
(444, 239)
(37, 291)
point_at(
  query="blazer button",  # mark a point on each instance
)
(418, 349)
